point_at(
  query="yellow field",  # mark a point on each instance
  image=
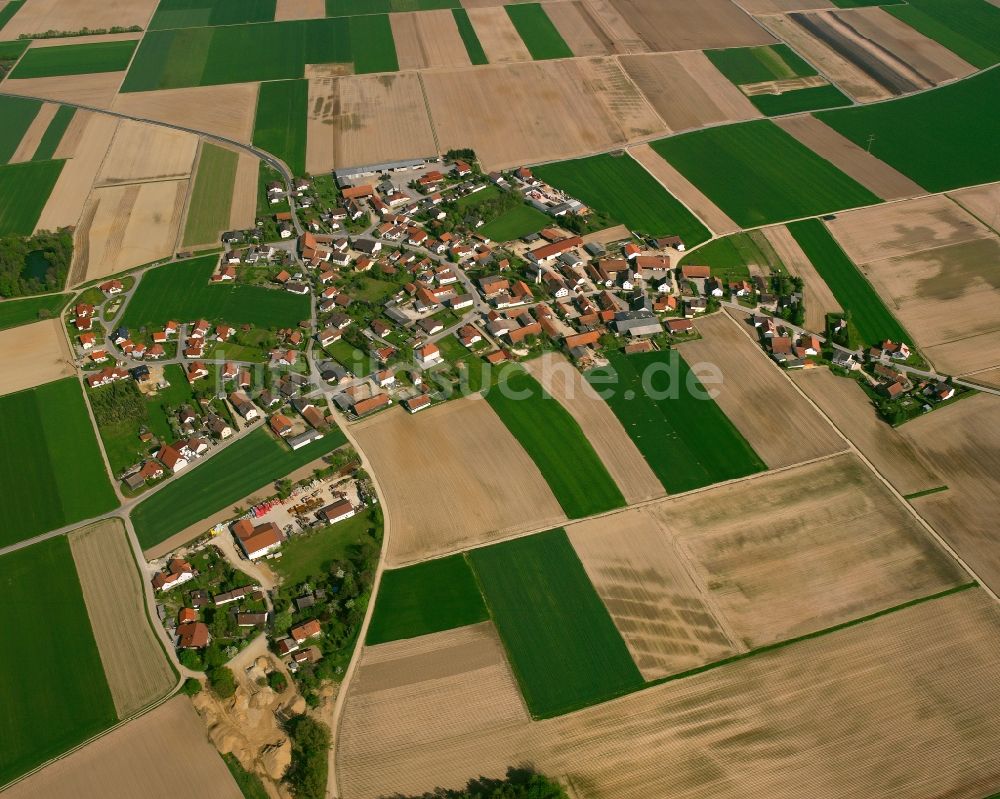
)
(34, 354)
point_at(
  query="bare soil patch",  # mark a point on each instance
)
(453, 476)
(680, 25)
(983, 202)
(782, 86)
(872, 173)
(226, 111)
(38, 16)
(33, 135)
(161, 755)
(148, 152)
(428, 39)
(781, 6)
(578, 28)
(601, 427)
(498, 36)
(96, 90)
(818, 298)
(243, 212)
(34, 354)
(757, 396)
(299, 9)
(623, 38)
(687, 91)
(134, 662)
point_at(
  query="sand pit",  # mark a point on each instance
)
(666, 618)
(96, 90)
(565, 108)
(852, 412)
(126, 226)
(498, 36)
(134, 662)
(148, 152)
(757, 397)
(453, 477)
(687, 91)
(299, 9)
(367, 119)
(243, 212)
(428, 39)
(38, 16)
(818, 298)
(578, 28)
(226, 111)
(907, 704)
(875, 175)
(34, 354)
(161, 755)
(601, 427)
(86, 144)
(681, 25)
(33, 135)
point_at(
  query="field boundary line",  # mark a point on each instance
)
(427, 108)
(188, 195)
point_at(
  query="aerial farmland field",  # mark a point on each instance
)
(967, 27)
(195, 13)
(18, 114)
(472, 44)
(280, 124)
(62, 695)
(75, 59)
(211, 199)
(31, 309)
(54, 133)
(24, 190)
(536, 29)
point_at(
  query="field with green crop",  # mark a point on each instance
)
(731, 256)
(759, 64)
(9, 11)
(348, 8)
(681, 432)
(518, 221)
(24, 190)
(51, 470)
(198, 13)
(620, 187)
(472, 44)
(74, 59)
(31, 309)
(940, 138)
(758, 174)
(181, 291)
(309, 555)
(562, 644)
(426, 598)
(56, 694)
(537, 31)
(970, 28)
(224, 479)
(54, 133)
(17, 113)
(854, 293)
(813, 98)
(212, 197)
(556, 443)
(280, 124)
(372, 44)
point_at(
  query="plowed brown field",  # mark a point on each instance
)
(681, 25)
(39, 16)
(34, 354)
(226, 111)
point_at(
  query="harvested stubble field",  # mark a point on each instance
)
(223, 110)
(148, 152)
(498, 36)
(428, 39)
(903, 704)
(566, 108)
(158, 756)
(679, 25)
(774, 418)
(243, 211)
(97, 90)
(850, 409)
(983, 202)
(299, 9)
(38, 16)
(600, 426)
(135, 664)
(578, 28)
(668, 620)
(34, 354)
(465, 446)
(818, 298)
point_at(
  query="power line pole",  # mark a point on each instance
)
(871, 141)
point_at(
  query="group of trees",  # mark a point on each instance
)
(520, 783)
(16, 279)
(307, 773)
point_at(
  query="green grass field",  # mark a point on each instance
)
(940, 138)
(426, 598)
(372, 44)
(280, 124)
(243, 467)
(350, 8)
(562, 644)
(74, 59)
(31, 309)
(854, 293)
(759, 64)
(518, 221)
(556, 443)
(537, 31)
(54, 133)
(308, 556)
(731, 256)
(684, 435)
(198, 13)
(813, 98)
(620, 187)
(970, 28)
(11, 51)
(250, 784)
(57, 695)
(472, 44)
(51, 470)
(17, 113)
(24, 190)
(9, 11)
(757, 174)
(181, 291)
(212, 197)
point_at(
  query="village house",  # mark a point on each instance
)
(178, 571)
(337, 512)
(192, 635)
(257, 541)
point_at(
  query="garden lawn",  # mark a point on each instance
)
(556, 443)
(513, 224)
(56, 694)
(196, 13)
(537, 31)
(17, 113)
(51, 470)
(181, 291)
(562, 644)
(54, 133)
(742, 65)
(208, 210)
(472, 44)
(758, 174)
(684, 436)
(224, 479)
(812, 98)
(620, 187)
(941, 138)
(308, 556)
(731, 256)
(75, 59)
(31, 309)
(280, 124)
(970, 28)
(24, 190)
(853, 292)
(426, 598)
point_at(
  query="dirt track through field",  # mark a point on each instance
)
(454, 476)
(819, 300)
(600, 425)
(34, 354)
(428, 39)
(33, 135)
(38, 16)
(134, 663)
